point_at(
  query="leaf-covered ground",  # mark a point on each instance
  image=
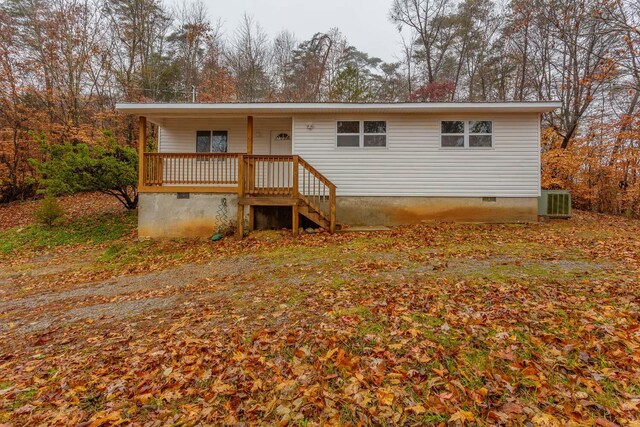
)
(424, 325)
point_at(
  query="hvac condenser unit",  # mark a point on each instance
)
(555, 204)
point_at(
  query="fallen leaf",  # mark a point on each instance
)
(462, 416)
(417, 409)
(385, 397)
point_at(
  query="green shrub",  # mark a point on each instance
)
(49, 212)
(104, 166)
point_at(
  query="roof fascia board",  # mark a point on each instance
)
(289, 108)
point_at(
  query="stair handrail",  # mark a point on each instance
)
(331, 214)
(299, 165)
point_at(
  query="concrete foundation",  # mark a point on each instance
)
(410, 210)
(199, 215)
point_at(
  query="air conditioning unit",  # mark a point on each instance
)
(555, 204)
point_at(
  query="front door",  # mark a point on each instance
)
(280, 173)
(281, 143)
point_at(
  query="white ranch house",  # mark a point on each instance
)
(337, 164)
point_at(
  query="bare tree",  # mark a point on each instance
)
(248, 58)
(138, 28)
(408, 50)
(62, 37)
(623, 22)
(189, 41)
(517, 33)
(15, 117)
(430, 20)
(580, 60)
(284, 45)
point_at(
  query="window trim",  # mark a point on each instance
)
(211, 131)
(466, 135)
(361, 135)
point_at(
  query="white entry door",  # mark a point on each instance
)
(281, 143)
(281, 170)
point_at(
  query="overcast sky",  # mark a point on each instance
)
(365, 23)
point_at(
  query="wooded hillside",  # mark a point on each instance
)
(66, 62)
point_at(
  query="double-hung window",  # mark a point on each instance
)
(211, 141)
(349, 134)
(452, 134)
(466, 134)
(480, 133)
(375, 134)
(361, 133)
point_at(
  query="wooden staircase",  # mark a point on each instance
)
(269, 180)
(317, 217)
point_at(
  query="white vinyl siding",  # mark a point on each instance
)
(414, 163)
(179, 135)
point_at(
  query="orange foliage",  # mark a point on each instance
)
(600, 167)
(17, 146)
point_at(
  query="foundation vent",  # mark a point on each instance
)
(555, 204)
(488, 199)
(184, 195)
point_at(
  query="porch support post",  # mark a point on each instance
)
(240, 219)
(252, 218)
(332, 209)
(142, 142)
(296, 172)
(295, 194)
(249, 134)
(240, 215)
(296, 219)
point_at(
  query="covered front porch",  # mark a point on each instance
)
(263, 174)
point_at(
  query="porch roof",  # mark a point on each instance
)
(270, 108)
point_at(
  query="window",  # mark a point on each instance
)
(355, 133)
(211, 141)
(283, 137)
(348, 134)
(203, 141)
(480, 134)
(470, 134)
(375, 134)
(452, 134)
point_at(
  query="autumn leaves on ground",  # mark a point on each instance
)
(439, 323)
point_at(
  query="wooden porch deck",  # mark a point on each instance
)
(258, 180)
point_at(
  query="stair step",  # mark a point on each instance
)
(268, 201)
(310, 213)
(304, 205)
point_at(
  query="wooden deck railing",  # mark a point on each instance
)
(268, 175)
(190, 169)
(248, 174)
